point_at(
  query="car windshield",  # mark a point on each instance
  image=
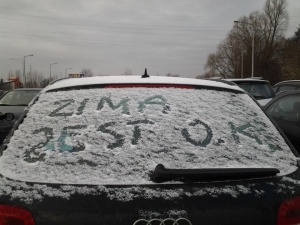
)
(258, 90)
(20, 97)
(287, 87)
(286, 108)
(118, 135)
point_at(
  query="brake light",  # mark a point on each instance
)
(289, 212)
(12, 215)
(180, 86)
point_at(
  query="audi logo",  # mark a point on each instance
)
(168, 221)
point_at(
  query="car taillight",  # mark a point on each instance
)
(180, 86)
(12, 215)
(289, 212)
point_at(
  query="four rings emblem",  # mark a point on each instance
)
(168, 221)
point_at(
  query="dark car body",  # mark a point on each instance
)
(2, 92)
(14, 101)
(259, 89)
(147, 151)
(285, 110)
(288, 85)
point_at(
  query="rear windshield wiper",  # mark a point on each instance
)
(161, 174)
(13, 104)
(20, 105)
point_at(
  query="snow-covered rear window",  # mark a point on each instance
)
(118, 135)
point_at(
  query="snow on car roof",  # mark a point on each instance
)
(254, 80)
(288, 82)
(73, 82)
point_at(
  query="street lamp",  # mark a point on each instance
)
(24, 77)
(50, 70)
(252, 68)
(66, 71)
(242, 69)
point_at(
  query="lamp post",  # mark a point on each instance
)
(252, 68)
(242, 69)
(66, 71)
(24, 76)
(50, 70)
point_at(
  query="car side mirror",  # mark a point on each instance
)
(7, 116)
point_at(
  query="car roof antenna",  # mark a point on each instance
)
(145, 74)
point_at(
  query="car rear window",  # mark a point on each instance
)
(118, 135)
(288, 88)
(258, 90)
(18, 97)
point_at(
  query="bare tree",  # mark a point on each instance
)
(222, 63)
(172, 75)
(289, 58)
(276, 20)
(210, 67)
(17, 73)
(10, 74)
(127, 71)
(234, 54)
(87, 72)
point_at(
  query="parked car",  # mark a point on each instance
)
(285, 110)
(2, 92)
(147, 150)
(6, 116)
(288, 85)
(261, 90)
(14, 101)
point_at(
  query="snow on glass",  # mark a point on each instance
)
(119, 135)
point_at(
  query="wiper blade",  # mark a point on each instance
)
(161, 174)
(13, 104)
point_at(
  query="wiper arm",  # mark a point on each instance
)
(161, 174)
(20, 105)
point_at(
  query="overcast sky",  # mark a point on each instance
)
(110, 36)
